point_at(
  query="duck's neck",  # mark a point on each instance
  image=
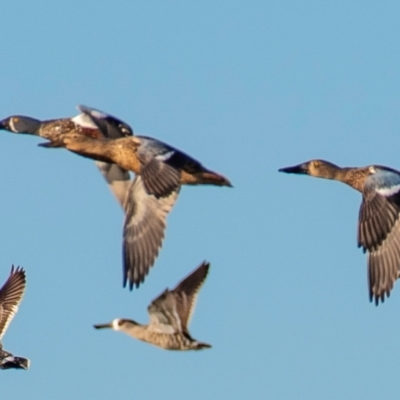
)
(119, 151)
(353, 177)
(136, 330)
(88, 147)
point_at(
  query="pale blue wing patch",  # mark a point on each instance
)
(384, 182)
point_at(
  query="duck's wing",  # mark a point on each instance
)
(164, 317)
(110, 126)
(143, 232)
(11, 295)
(159, 178)
(117, 178)
(172, 310)
(379, 231)
(187, 291)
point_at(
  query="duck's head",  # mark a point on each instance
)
(319, 168)
(117, 324)
(21, 124)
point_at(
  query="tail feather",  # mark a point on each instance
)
(201, 346)
(217, 179)
(210, 178)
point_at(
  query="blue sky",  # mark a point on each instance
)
(246, 88)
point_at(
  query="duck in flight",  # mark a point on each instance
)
(378, 223)
(160, 171)
(170, 315)
(11, 295)
(106, 126)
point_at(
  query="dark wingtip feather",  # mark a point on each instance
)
(193, 282)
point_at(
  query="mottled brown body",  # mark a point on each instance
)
(124, 152)
(176, 341)
(121, 151)
(52, 129)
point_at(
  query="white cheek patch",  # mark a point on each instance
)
(165, 156)
(388, 191)
(12, 127)
(85, 121)
(115, 325)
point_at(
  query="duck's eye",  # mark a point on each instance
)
(124, 129)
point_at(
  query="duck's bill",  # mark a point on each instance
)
(52, 144)
(296, 169)
(102, 326)
(4, 124)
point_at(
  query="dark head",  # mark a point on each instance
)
(318, 168)
(110, 127)
(21, 124)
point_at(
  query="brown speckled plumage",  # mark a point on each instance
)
(170, 315)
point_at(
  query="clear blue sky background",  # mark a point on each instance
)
(246, 88)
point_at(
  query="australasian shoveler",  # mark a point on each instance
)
(170, 315)
(160, 171)
(11, 295)
(378, 224)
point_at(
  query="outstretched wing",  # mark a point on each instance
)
(110, 126)
(163, 314)
(379, 231)
(174, 308)
(118, 180)
(145, 222)
(186, 292)
(10, 297)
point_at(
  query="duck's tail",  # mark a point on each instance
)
(201, 346)
(205, 177)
